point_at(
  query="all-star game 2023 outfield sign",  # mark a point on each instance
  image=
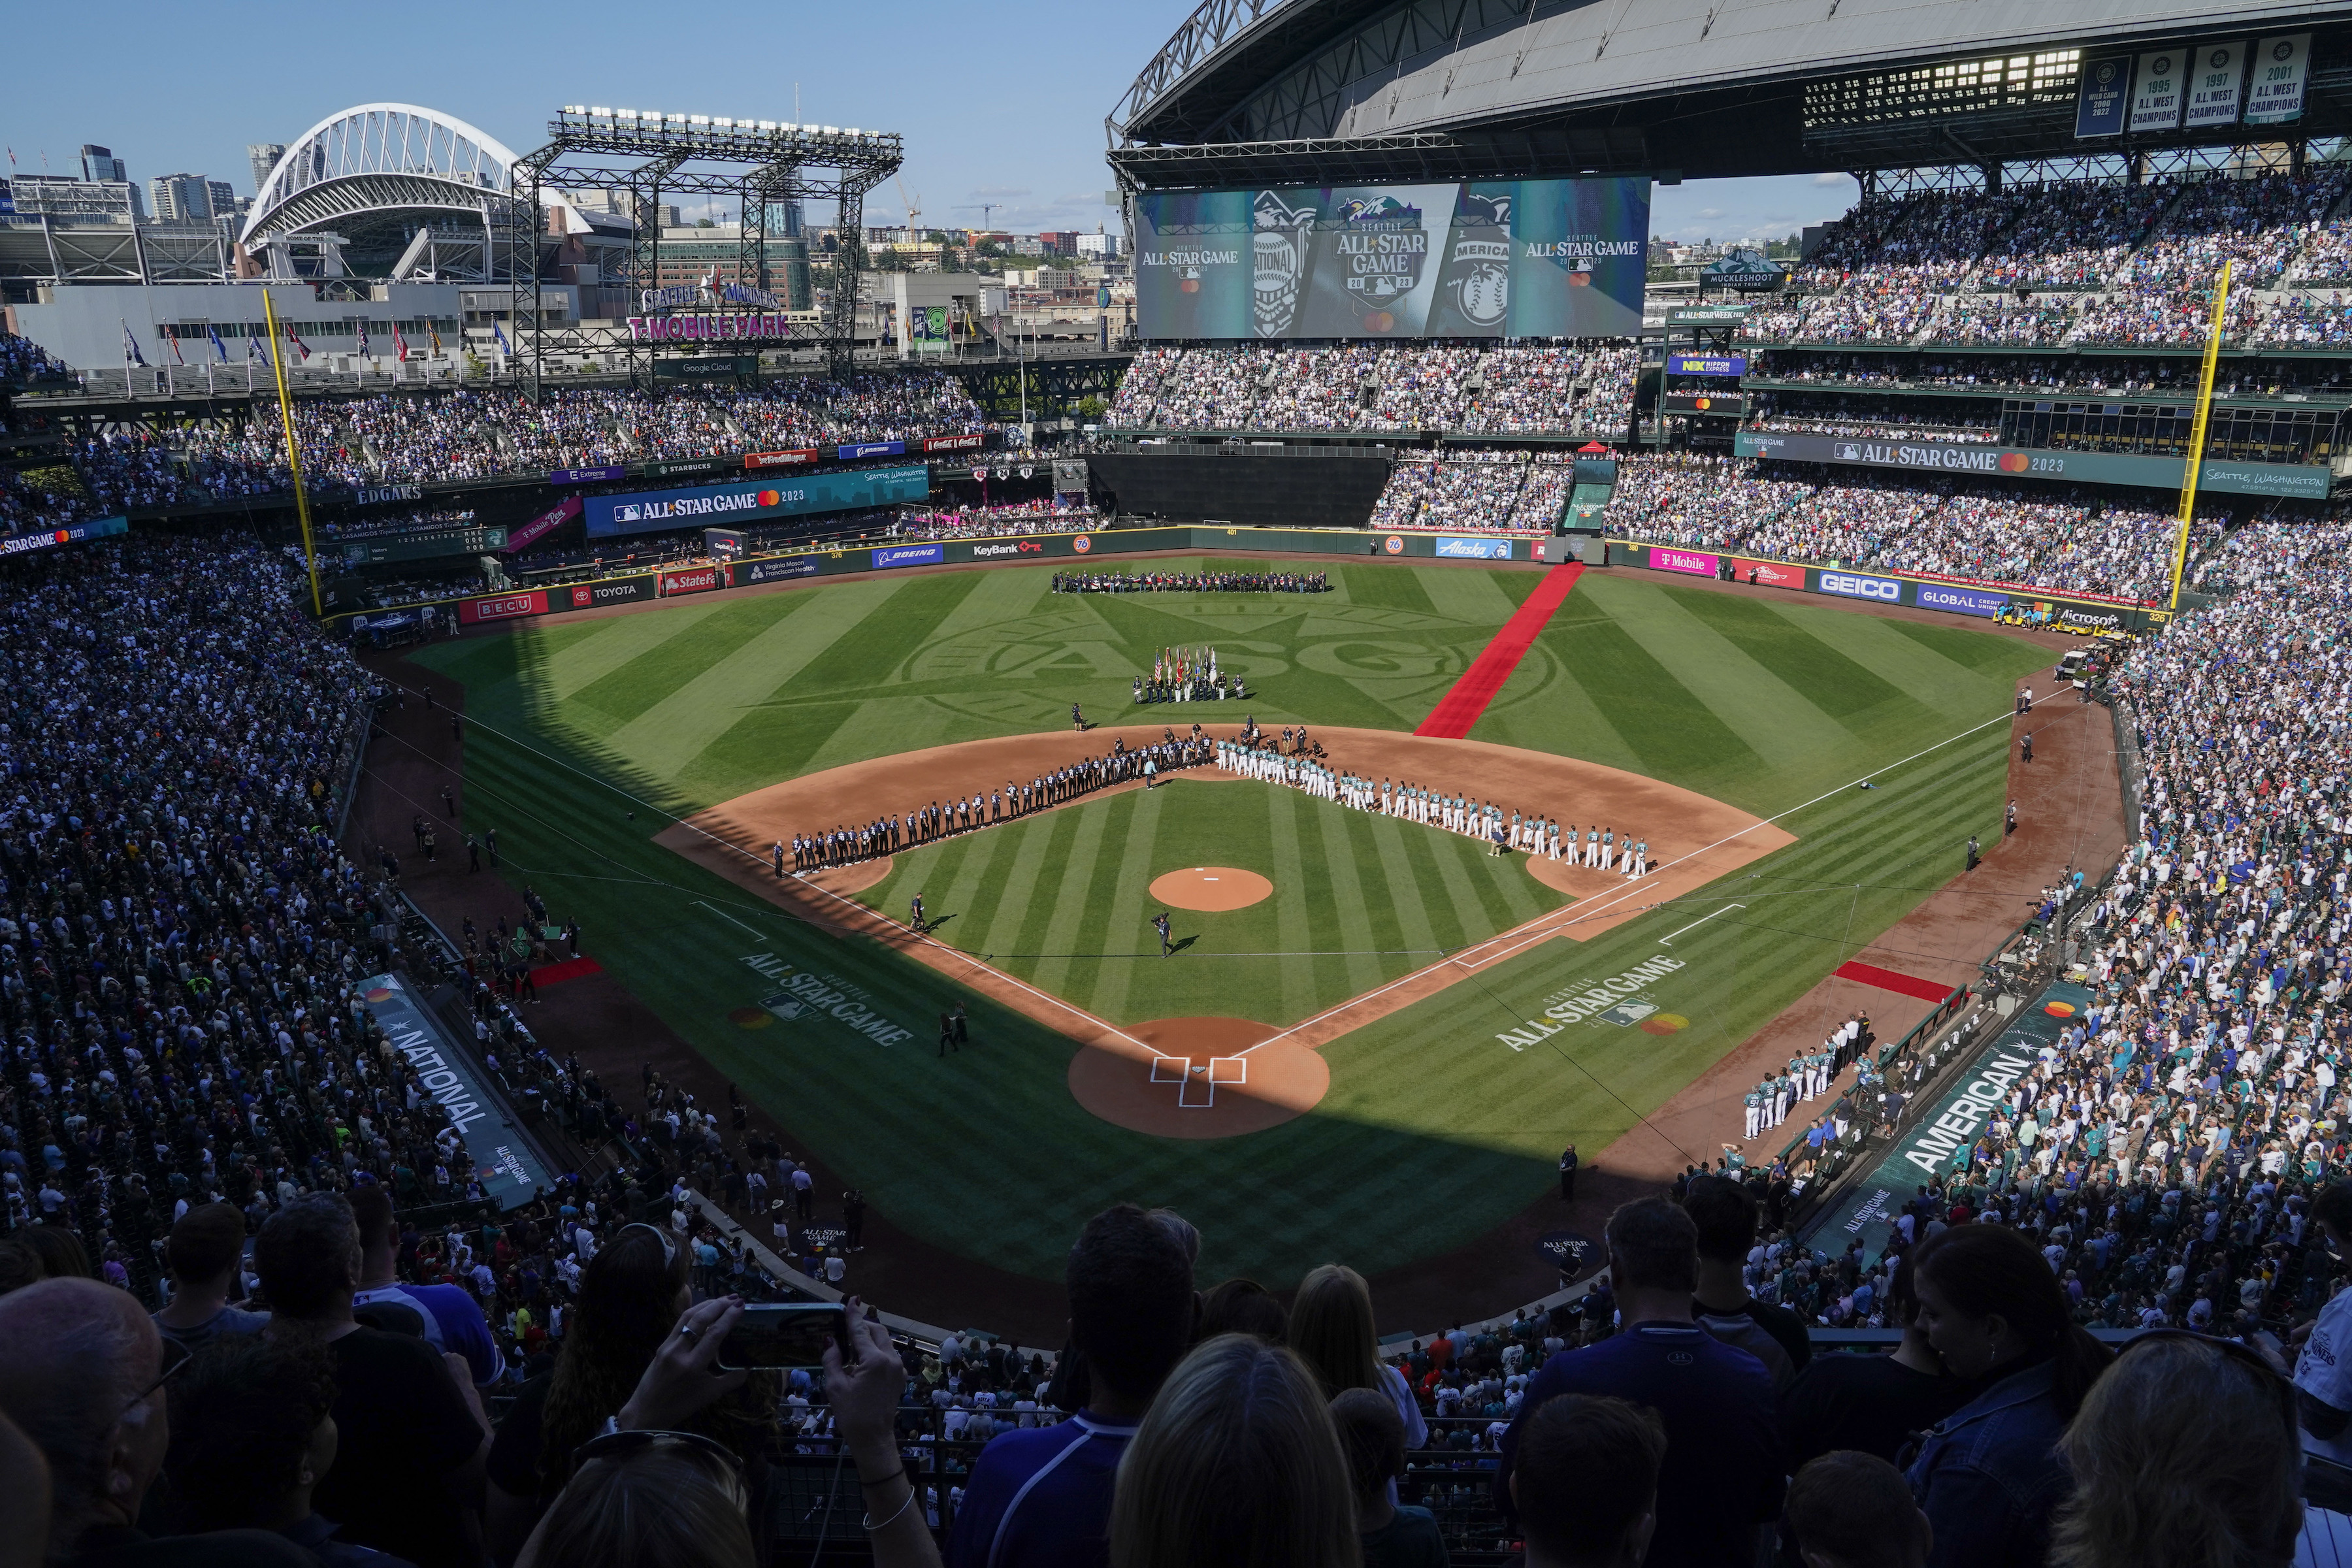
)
(1933, 1145)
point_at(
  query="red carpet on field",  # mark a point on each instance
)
(568, 969)
(1893, 980)
(1460, 708)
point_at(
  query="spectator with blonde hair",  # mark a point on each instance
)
(1331, 1329)
(1237, 1466)
(2185, 1455)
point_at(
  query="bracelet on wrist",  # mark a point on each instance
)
(868, 1520)
(880, 1480)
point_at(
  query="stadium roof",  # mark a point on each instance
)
(1704, 87)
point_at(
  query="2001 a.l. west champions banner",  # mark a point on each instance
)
(1486, 258)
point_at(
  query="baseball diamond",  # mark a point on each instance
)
(1398, 994)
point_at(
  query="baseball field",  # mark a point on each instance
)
(1514, 1011)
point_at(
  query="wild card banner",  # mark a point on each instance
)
(1485, 259)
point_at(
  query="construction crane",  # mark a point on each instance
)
(914, 211)
(985, 208)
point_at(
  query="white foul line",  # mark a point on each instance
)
(1668, 940)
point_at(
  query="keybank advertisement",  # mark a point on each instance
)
(652, 512)
(1486, 258)
(2091, 468)
(1937, 1143)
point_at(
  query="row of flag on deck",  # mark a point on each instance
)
(1175, 666)
(255, 349)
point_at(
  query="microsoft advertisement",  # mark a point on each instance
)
(654, 511)
(1482, 258)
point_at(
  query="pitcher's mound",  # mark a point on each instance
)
(1210, 888)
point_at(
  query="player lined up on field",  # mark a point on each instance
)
(928, 823)
(1601, 848)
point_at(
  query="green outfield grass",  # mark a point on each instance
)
(1060, 901)
(1444, 1118)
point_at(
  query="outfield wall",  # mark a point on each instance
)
(1333, 487)
(2005, 604)
(1011, 550)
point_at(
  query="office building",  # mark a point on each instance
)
(181, 198)
(263, 156)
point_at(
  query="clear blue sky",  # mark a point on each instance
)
(1000, 104)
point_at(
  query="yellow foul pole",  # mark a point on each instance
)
(294, 448)
(2197, 431)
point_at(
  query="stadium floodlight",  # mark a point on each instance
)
(788, 125)
(601, 112)
(831, 130)
(575, 108)
(722, 122)
(697, 120)
(851, 132)
(767, 125)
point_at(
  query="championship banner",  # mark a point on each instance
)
(2156, 92)
(510, 1174)
(2215, 74)
(540, 527)
(2282, 67)
(1483, 259)
(2103, 97)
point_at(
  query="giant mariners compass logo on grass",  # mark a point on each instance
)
(1277, 262)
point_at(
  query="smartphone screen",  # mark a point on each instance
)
(784, 1333)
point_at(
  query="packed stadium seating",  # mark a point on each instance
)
(1512, 389)
(396, 438)
(2070, 263)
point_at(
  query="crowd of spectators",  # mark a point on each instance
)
(23, 360)
(410, 438)
(2061, 541)
(1465, 488)
(1577, 389)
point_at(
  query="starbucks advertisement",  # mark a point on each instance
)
(1485, 259)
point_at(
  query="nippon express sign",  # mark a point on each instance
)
(1706, 364)
(655, 512)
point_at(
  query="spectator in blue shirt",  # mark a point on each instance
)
(1041, 1497)
(1723, 1464)
(453, 1323)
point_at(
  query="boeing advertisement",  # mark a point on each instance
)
(655, 511)
(1482, 258)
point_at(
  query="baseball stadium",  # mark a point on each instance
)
(1400, 721)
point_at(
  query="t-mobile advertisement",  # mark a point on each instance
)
(1664, 560)
(540, 527)
(1485, 259)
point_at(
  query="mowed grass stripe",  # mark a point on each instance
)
(1292, 896)
(670, 736)
(1008, 914)
(1342, 852)
(1069, 917)
(645, 683)
(1782, 639)
(1127, 913)
(1920, 670)
(1400, 892)
(577, 657)
(1774, 719)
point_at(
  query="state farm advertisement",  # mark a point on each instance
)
(694, 580)
(504, 607)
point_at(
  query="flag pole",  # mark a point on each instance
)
(293, 451)
(2197, 434)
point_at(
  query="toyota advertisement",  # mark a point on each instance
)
(1483, 259)
(655, 512)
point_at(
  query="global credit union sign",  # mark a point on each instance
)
(1885, 590)
(1961, 601)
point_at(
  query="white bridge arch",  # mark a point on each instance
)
(381, 161)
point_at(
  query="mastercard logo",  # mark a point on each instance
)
(2013, 462)
(1665, 1023)
(380, 993)
(750, 1018)
(2060, 1009)
(1703, 403)
(768, 498)
(1381, 321)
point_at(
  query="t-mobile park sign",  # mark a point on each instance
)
(739, 328)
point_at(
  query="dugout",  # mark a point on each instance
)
(1318, 487)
